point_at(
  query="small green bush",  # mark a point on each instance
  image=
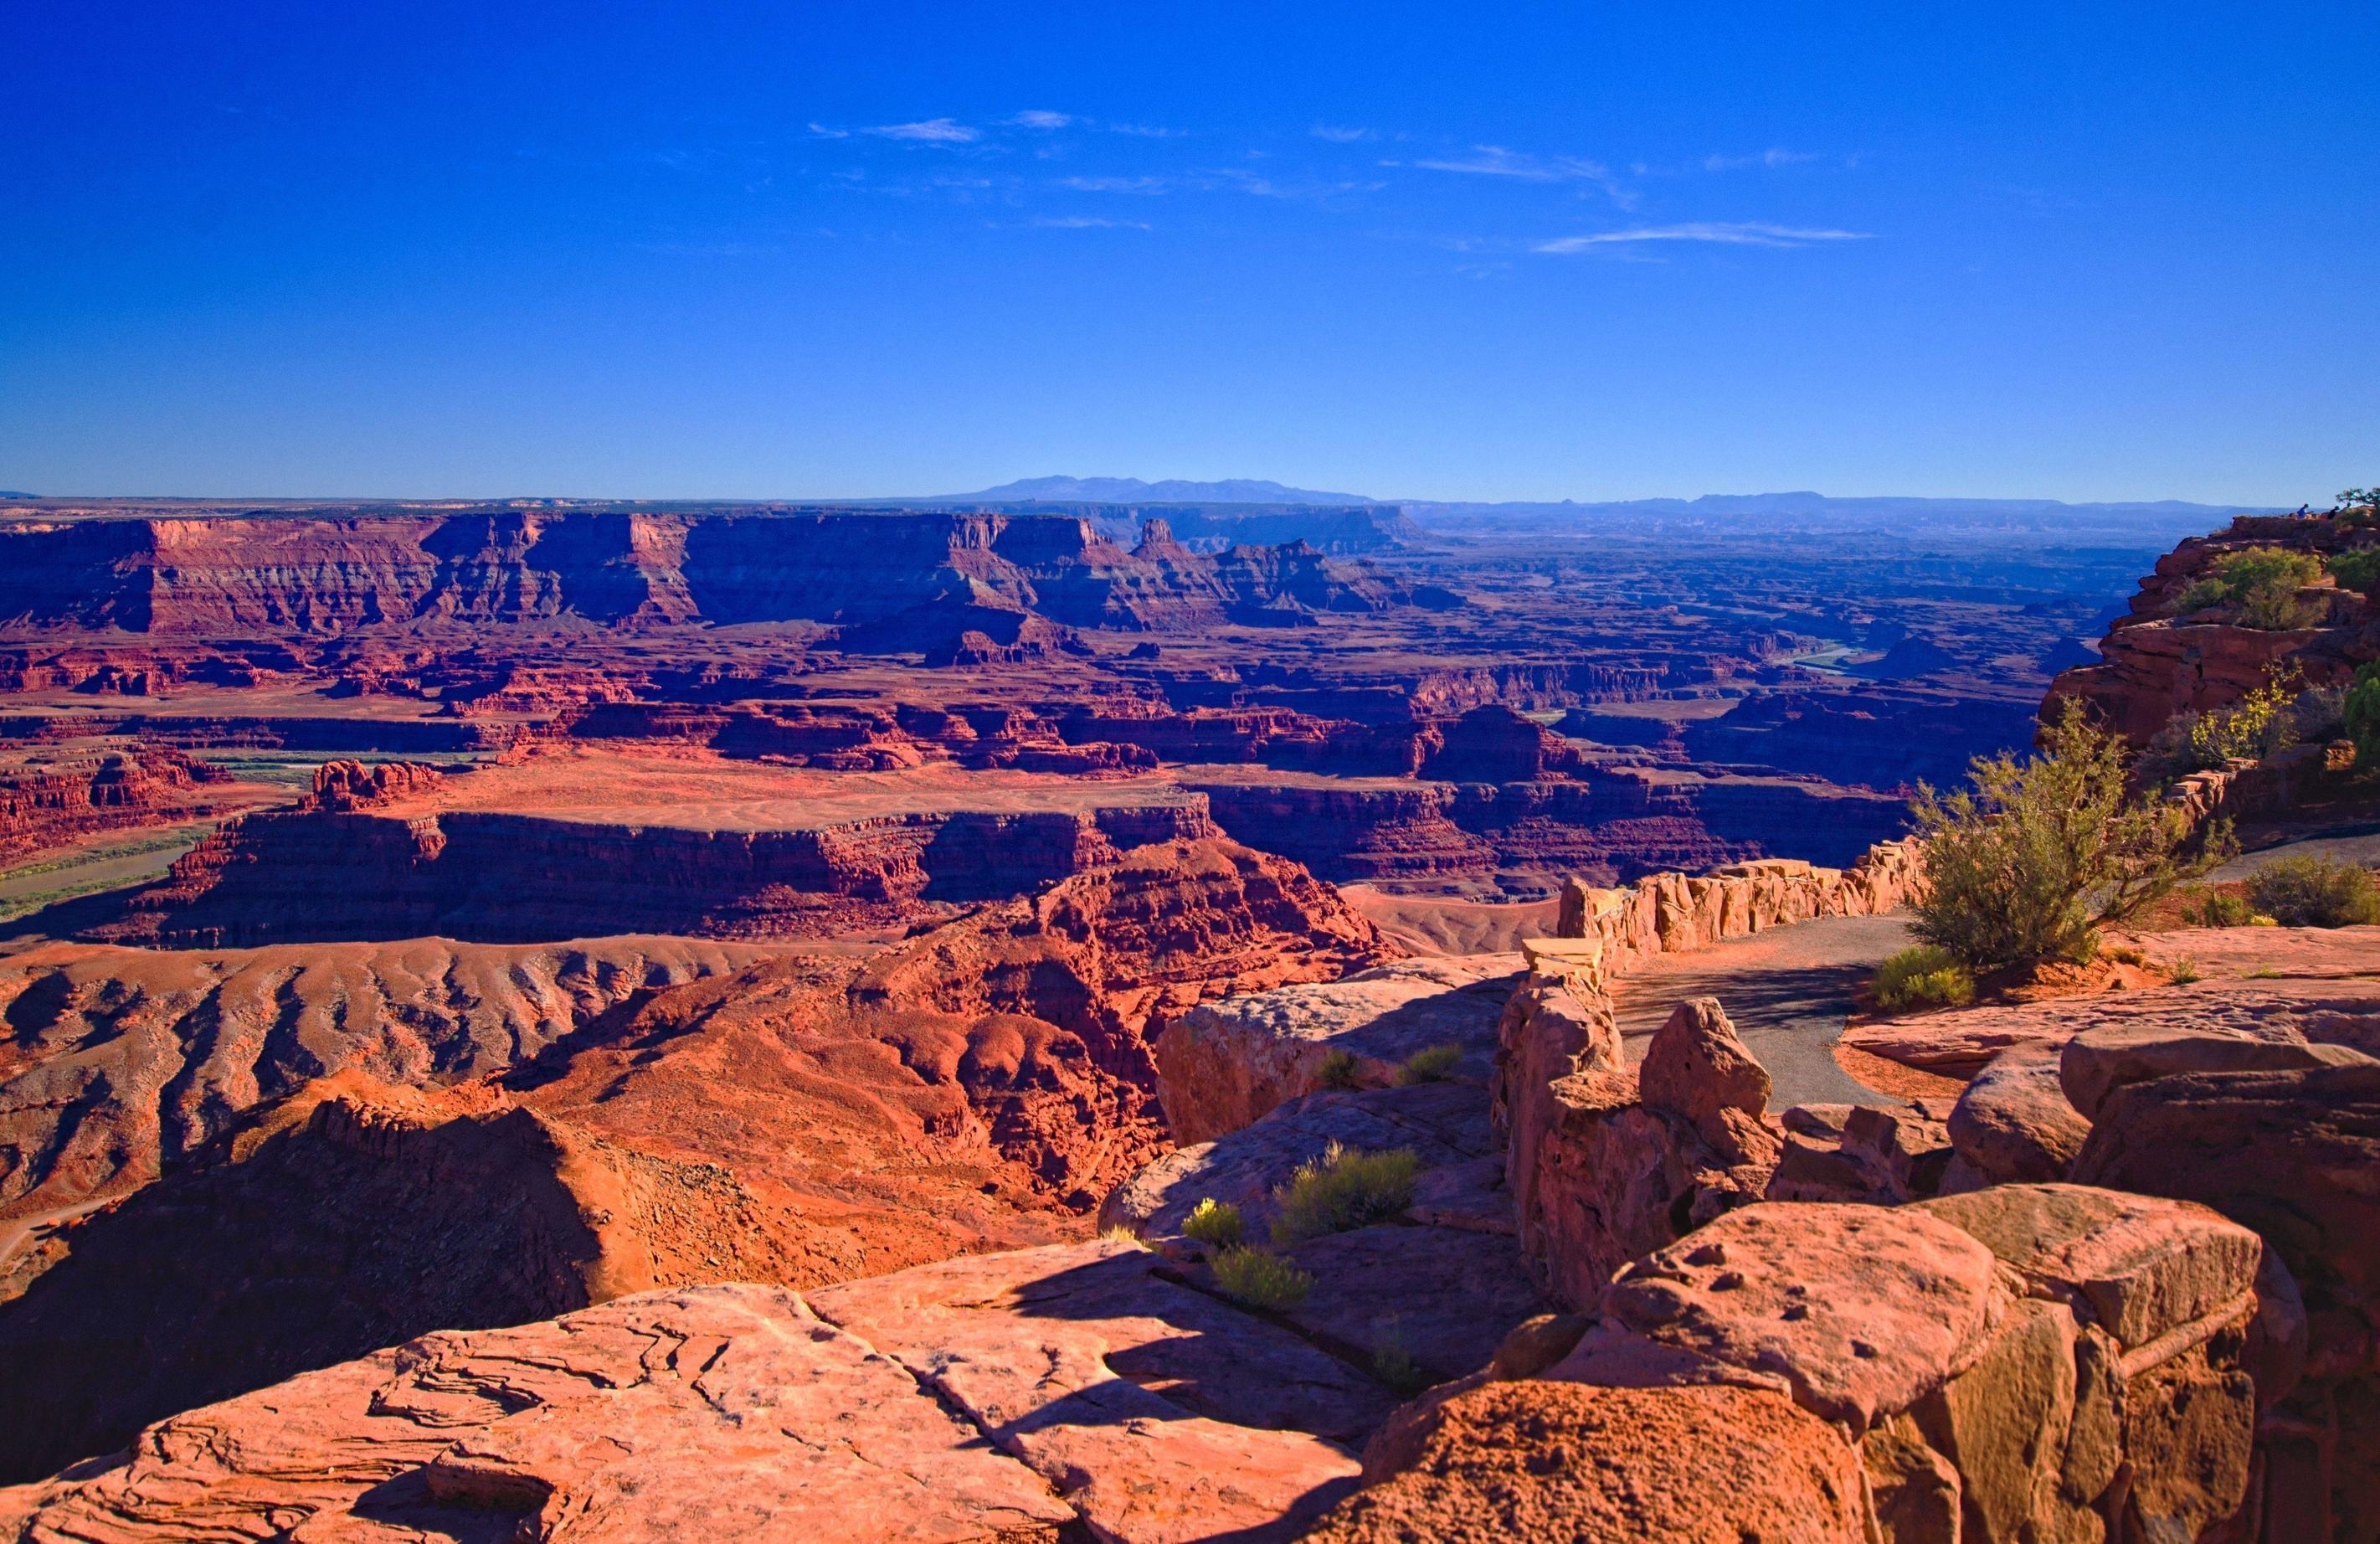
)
(2221, 909)
(2358, 570)
(1345, 1189)
(1923, 976)
(2260, 724)
(1214, 1223)
(1339, 1070)
(2182, 972)
(2204, 595)
(1394, 1366)
(2312, 892)
(1261, 1279)
(2360, 717)
(2264, 583)
(1432, 1065)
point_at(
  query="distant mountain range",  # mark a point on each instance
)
(2157, 523)
(1132, 490)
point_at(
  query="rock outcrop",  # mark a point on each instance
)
(1222, 1065)
(686, 1414)
(54, 795)
(2027, 1362)
(348, 1218)
(2154, 664)
(124, 1061)
(2292, 1154)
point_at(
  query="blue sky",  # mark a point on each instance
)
(2080, 251)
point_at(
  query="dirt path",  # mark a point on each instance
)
(1789, 991)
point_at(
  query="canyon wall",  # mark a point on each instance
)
(322, 874)
(316, 575)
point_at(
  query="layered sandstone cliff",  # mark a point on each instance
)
(312, 575)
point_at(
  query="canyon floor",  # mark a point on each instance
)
(598, 1023)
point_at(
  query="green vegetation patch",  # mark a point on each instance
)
(2025, 865)
(1261, 1279)
(1215, 1223)
(2312, 892)
(1435, 1064)
(1344, 1189)
(2262, 583)
(1923, 976)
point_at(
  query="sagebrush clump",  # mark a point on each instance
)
(2360, 719)
(1217, 1224)
(1344, 1189)
(2312, 892)
(1261, 1279)
(2358, 570)
(1923, 976)
(2027, 865)
(2262, 583)
(1432, 1065)
(1340, 1070)
(2220, 909)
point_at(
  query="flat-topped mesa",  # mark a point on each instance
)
(302, 573)
(2155, 663)
(50, 796)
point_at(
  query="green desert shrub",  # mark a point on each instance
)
(2359, 506)
(2310, 892)
(1214, 1223)
(1432, 1065)
(1339, 1070)
(2260, 724)
(1345, 1189)
(1394, 1366)
(1261, 1279)
(2264, 583)
(2182, 972)
(2359, 717)
(2026, 865)
(2220, 909)
(2358, 570)
(1923, 976)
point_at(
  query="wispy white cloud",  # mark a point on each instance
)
(1264, 187)
(1037, 119)
(823, 132)
(931, 131)
(1745, 233)
(1496, 161)
(1090, 222)
(1116, 184)
(1769, 157)
(1145, 130)
(1339, 134)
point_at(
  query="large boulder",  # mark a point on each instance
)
(2102, 1059)
(1566, 1460)
(1697, 1068)
(1862, 1310)
(2012, 1123)
(2294, 1155)
(1222, 1065)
